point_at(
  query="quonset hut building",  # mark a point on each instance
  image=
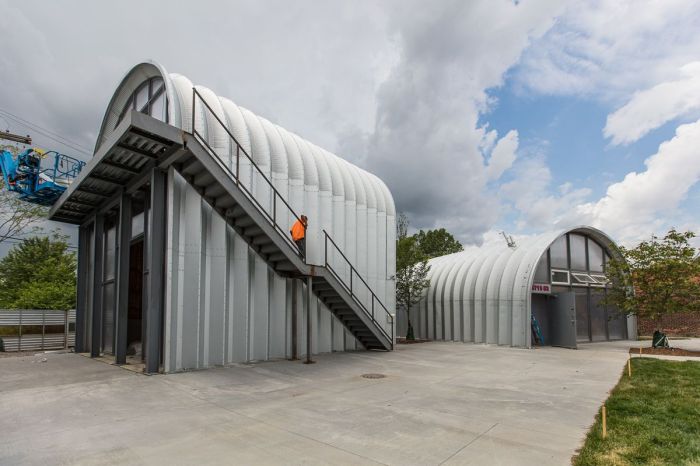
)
(184, 214)
(551, 286)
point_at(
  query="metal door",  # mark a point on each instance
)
(563, 320)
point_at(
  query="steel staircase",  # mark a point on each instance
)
(231, 182)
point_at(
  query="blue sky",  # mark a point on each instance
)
(480, 116)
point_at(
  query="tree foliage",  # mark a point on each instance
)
(17, 217)
(39, 273)
(435, 243)
(411, 270)
(660, 276)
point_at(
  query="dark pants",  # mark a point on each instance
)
(301, 244)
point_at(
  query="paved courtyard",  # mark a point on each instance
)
(440, 403)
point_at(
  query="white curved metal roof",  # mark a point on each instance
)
(482, 294)
(272, 151)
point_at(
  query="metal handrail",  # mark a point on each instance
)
(349, 287)
(273, 217)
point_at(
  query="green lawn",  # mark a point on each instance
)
(653, 418)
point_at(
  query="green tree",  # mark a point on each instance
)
(660, 276)
(435, 243)
(17, 217)
(39, 273)
(411, 271)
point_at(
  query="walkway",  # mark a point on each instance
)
(440, 403)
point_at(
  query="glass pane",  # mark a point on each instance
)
(557, 253)
(142, 97)
(578, 252)
(110, 252)
(108, 319)
(595, 256)
(137, 225)
(582, 315)
(542, 272)
(156, 84)
(598, 318)
(559, 276)
(158, 107)
(617, 324)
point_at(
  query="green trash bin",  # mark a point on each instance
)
(659, 340)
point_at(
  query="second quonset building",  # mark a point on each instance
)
(546, 289)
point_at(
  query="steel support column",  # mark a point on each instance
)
(309, 298)
(155, 242)
(122, 284)
(98, 276)
(81, 293)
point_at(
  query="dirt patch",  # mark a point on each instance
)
(403, 341)
(665, 351)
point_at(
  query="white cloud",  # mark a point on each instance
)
(607, 49)
(649, 109)
(502, 155)
(428, 144)
(646, 202)
(530, 193)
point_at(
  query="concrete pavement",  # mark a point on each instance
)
(440, 403)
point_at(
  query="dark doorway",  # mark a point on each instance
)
(133, 332)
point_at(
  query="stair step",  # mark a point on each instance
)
(235, 211)
(215, 191)
(276, 257)
(245, 221)
(252, 231)
(203, 179)
(268, 248)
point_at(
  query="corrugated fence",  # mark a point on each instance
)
(37, 329)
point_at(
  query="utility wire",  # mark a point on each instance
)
(45, 132)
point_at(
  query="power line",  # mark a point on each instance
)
(45, 132)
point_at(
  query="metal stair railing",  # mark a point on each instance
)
(248, 176)
(355, 281)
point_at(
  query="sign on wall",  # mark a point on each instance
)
(543, 288)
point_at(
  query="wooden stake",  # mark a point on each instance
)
(605, 423)
(629, 367)
(640, 351)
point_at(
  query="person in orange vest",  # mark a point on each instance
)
(298, 232)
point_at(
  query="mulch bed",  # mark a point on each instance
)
(665, 351)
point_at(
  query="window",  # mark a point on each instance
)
(595, 256)
(557, 253)
(579, 278)
(560, 277)
(600, 278)
(578, 252)
(148, 98)
(542, 271)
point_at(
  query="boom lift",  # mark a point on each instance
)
(38, 176)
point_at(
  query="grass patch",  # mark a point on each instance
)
(653, 418)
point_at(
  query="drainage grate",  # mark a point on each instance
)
(373, 376)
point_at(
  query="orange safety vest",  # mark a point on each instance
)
(298, 231)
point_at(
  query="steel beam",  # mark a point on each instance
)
(98, 275)
(122, 285)
(81, 292)
(155, 242)
(309, 300)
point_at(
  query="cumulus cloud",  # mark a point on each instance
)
(530, 193)
(503, 155)
(651, 108)
(605, 49)
(427, 143)
(644, 202)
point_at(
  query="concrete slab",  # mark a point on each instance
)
(439, 403)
